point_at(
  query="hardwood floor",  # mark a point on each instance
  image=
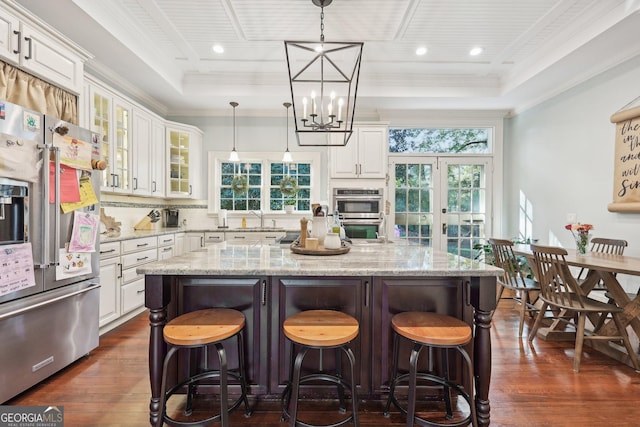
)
(532, 385)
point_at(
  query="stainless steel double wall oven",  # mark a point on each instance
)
(361, 211)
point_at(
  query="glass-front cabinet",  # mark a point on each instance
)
(183, 158)
(111, 118)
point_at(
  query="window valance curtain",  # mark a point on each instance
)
(33, 93)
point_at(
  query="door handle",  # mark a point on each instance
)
(444, 228)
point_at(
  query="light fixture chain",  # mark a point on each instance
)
(322, 24)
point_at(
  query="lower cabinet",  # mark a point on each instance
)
(248, 295)
(295, 294)
(110, 279)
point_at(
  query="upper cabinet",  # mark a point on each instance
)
(184, 155)
(158, 158)
(141, 153)
(111, 117)
(364, 156)
(33, 47)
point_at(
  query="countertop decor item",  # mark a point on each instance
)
(582, 235)
(321, 250)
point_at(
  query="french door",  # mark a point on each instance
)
(442, 202)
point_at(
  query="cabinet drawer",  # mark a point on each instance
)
(166, 240)
(132, 295)
(109, 250)
(130, 274)
(213, 237)
(142, 257)
(139, 244)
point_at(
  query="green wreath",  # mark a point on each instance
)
(239, 185)
(289, 186)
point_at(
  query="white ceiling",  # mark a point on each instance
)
(161, 50)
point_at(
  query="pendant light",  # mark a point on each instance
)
(233, 157)
(287, 155)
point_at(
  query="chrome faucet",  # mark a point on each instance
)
(261, 216)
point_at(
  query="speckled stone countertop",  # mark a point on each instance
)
(376, 259)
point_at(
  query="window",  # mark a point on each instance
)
(257, 182)
(440, 140)
(301, 173)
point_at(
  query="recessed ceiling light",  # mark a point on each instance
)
(421, 51)
(475, 51)
(218, 48)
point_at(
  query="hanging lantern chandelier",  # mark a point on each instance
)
(323, 77)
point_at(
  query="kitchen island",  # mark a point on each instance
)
(372, 282)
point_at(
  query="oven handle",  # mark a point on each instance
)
(362, 221)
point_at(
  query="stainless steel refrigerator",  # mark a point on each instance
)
(48, 317)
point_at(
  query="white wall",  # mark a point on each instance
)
(561, 155)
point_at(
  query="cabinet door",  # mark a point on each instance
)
(180, 244)
(295, 294)
(101, 118)
(396, 295)
(178, 142)
(8, 38)
(121, 140)
(158, 162)
(141, 153)
(166, 252)
(44, 57)
(372, 152)
(193, 241)
(110, 275)
(251, 297)
(344, 160)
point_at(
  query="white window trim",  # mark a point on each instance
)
(216, 158)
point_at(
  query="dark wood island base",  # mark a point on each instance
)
(286, 283)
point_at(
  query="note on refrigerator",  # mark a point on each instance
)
(16, 268)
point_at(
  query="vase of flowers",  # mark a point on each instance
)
(582, 234)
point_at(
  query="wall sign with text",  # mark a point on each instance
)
(626, 173)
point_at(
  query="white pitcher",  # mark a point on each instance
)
(319, 228)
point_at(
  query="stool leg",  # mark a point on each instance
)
(191, 388)
(224, 412)
(446, 390)
(297, 367)
(286, 394)
(242, 374)
(354, 391)
(343, 406)
(394, 374)
(163, 386)
(413, 371)
(472, 394)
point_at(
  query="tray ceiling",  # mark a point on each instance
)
(161, 50)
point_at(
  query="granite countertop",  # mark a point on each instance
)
(379, 259)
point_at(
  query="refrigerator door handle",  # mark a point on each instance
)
(56, 208)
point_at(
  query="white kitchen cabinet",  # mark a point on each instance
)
(184, 156)
(135, 252)
(364, 156)
(111, 117)
(166, 246)
(35, 48)
(141, 153)
(179, 246)
(211, 237)
(157, 157)
(193, 240)
(110, 279)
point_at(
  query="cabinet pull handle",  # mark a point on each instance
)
(120, 267)
(444, 228)
(468, 292)
(16, 32)
(153, 183)
(202, 241)
(263, 293)
(141, 291)
(366, 293)
(190, 189)
(142, 259)
(135, 183)
(167, 249)
(28, 39)
(106, 252)
(142, 244)
(239, 237)
(166, 240)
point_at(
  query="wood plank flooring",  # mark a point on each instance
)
(532, 385)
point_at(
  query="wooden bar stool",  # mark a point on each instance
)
(431, 330)
(319, 329)
(197, 330)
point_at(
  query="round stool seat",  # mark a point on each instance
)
(203, 327)
(321, 328)
(431, 328)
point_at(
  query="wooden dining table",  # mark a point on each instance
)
(601, 267)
